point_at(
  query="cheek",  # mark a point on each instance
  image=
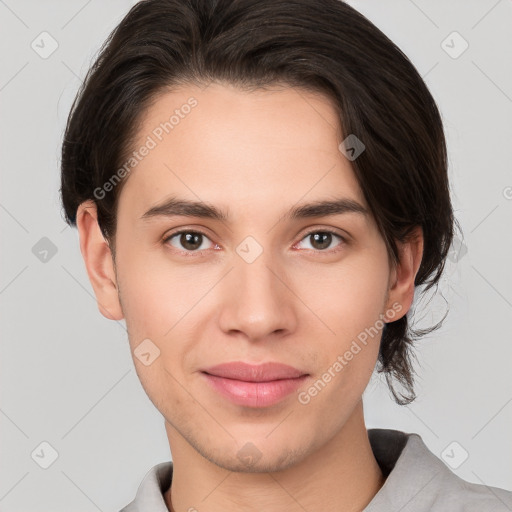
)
(154, 295)
(348, 302)
(163, 303)
(147, 309)
(348, 296)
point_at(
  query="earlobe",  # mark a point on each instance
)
(402, 277)
(98, 261)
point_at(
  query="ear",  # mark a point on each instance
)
(98, 261)
(401, 290)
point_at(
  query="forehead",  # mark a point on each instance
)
(239, 150)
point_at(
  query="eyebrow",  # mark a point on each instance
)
(186, 208)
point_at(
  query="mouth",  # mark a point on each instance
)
(266, 372)
(254, 385)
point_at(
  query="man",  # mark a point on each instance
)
(259, 187)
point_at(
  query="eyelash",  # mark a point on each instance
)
(200, 253)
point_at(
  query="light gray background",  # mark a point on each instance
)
(67, 377)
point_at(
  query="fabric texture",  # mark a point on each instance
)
(416, 481)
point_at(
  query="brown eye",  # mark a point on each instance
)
(188, 241)
(322, 240)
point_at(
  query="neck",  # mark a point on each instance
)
(342, 475)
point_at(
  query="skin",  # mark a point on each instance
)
(255, 154)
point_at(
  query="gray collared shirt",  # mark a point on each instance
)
(416, 481)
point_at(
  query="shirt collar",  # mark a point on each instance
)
(411, 471)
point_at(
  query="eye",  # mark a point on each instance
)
(190, 241)
(320, 240)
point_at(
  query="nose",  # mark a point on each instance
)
(258, 299)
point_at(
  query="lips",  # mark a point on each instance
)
(254, 386)
(266, 372)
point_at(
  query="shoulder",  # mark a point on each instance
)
(419, 481)
(457, 495)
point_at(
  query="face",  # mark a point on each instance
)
(269, 281)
